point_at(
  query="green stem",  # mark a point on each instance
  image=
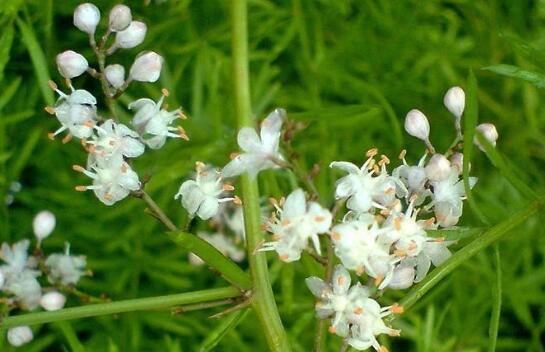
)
(263, 299)
(212, 257)
(131, 305)
(486, 239)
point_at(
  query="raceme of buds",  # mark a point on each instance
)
(71, 64)
(20, 335)
(438, 168)
(488, 131)
(115, 75)
(43, 224)
(455, 100)
(52, 301)
(146, 67)
(86, 18)
(120, 18)
(132, 36)
(417, 125)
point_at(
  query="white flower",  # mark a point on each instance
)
(297, 222)
(202, 196)
(153, 123)
(259, 152)
(336, 299)
(131, 36)
(86, 18)
(366, 187)
(120, 18)
(417, 125)
(52, 301)
(71, 64)
(455, 100)
(370, 324)
(434, 252)
(438, 168)
(112, 180)
(489, 132)
(16, 258)
(223, 244)
(146, 67)
(114, 140)
(115, 75)
(76, 112)
(360, 246)
(19, 335)
(447, 199)
(65, 268)
(43, 224)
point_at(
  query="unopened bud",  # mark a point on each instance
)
(71, 64)
(20, 335)
(488, 131)
(43, 224)
(146, 67)
(115, 75)
(457, 162)
(417, 125)
(120, 18)
(86, 18)
(438, 168)
(52, 301)
(132, 36)
(455, 101)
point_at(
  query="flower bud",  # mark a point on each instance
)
(115, 75)
(20, 335)
(43, 224)
(438, 168)
(457, 162)
(120, 18)
(455, 101)
(71, 64)
(132, 36)
(53, 301)
(417, 125)
(86, 18)
(146, 67)
(488, 131)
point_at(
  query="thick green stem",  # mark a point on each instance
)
(131, 305)
(486, 239)
(263, 299)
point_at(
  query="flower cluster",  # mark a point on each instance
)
(21, 272)
(110, 143)
(384, 235)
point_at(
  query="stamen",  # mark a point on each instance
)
(165, 92)
(51, 135)
(78, 168)
(335, 236)
(402, 154)
(379, 279)
(81, 188)
(52, 85)
(397, 309)
(358, 310)
(371, 152)
(50, 110)
(233, 155)
(332, 329)
(67, 138)
(228, 187)
(237, 200)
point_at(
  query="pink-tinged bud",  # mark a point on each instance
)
(455, 101)
(488, 131)
(457, 162)
(417, 125)
(19, 335)
(146, 67)
(120, 18)
(86, 18)
(52, 301)
(115, 75)
(71, 64)
(43, 224)
(132, 36)
(438, 168)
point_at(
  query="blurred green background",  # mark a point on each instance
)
(351, 70)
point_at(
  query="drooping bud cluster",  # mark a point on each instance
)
(110, 143)
(21, 284)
